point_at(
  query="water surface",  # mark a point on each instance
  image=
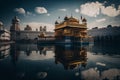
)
(50, 62)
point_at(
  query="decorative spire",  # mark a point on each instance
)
(71, 15)
(66, 18)
(56, 22)
(81, 18)
(84, 20)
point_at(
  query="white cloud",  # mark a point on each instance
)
(91, 9)
(63, 9)
(95, 8)
(48, 14)
(110, 11)
(40, 10)
(77, 10)
(30, 14)
(36, 25)
(104, 2)
(90, 74)
(101, 20)
(110, 73)
(24, 12)
(94, 74)
(20, 10)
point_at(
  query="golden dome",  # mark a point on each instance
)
(66, 18)
(84, 20)
(56, 22)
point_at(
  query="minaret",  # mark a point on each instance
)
(15, 24)
(40, 28)
(44, 29)
(15, 28)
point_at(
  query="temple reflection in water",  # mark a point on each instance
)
(71, 57)
(50, 62)
(4, 51)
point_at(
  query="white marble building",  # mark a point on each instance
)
(27, 33)
(32, 35)
(4, 33)
(108, 33)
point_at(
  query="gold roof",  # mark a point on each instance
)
(71, 19)
(70, 22)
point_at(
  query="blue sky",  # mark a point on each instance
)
(99, 13)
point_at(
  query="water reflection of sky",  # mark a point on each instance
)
(37, 56)
(30, 61)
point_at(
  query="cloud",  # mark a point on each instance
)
(36, 25)
(30, 14)
(110, 11)
(90, 74)
(94, 74)
(40, 10)
(93, 9)
(110, 73)
(20, 10)
(101, 20)
(63, 9)
(77, 10)
(104, 2)
(48, 14)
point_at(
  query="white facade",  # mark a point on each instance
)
(25, 35)
(4, 35)
(108, 31)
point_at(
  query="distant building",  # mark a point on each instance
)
(26, 34)
(4, 33)
(28, 28)
(102, 34)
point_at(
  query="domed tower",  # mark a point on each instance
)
(15, 24)
(40, 28)
(28, 28)
(44, 29)
(15, 28)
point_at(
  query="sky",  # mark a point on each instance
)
(36, 13)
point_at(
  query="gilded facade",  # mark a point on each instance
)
(71, 29)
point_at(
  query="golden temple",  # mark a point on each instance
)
(71, 29)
